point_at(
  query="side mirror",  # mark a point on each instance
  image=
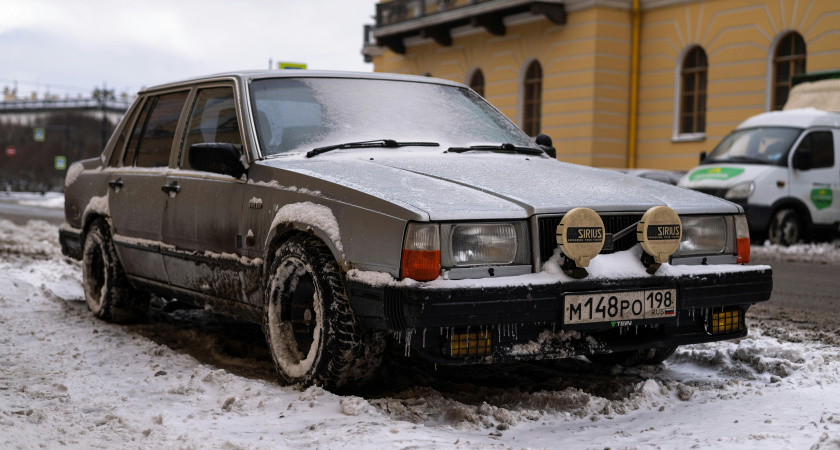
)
(216, 157)
(544, 141)
(702, 157)
(803, 159)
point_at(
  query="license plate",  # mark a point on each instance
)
(620, 306)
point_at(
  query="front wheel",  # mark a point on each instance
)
(312, 334)
(634, 358)
(786, 228)
(108, 293)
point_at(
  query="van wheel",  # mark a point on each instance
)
(312, 334)
(785, 228)
(108, 293)
(634, 358)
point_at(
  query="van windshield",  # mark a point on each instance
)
(765, 145)
(300, 114)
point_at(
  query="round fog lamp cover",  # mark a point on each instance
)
(580, 235)
(660, 232)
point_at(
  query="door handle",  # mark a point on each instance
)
(116, 184)
(172, 188)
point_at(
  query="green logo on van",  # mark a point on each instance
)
(822, 198)
(716, 173)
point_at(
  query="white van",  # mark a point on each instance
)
(783, 168)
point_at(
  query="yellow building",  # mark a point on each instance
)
(615, 83)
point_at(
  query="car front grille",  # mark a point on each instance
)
(612, 224)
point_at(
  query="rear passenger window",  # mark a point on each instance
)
(117, 155)
(151, 139)
(137, 133)
(213, 120)
(821, 145)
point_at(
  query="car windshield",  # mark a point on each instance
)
(766, 145)
(300, 114)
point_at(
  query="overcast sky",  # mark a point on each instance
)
(70, 47)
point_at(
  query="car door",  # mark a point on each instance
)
(138, 172)
(816, 186)
(201, 223)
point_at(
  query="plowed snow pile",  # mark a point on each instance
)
(67, 379)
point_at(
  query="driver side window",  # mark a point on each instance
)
(821, 146)
(213, 120)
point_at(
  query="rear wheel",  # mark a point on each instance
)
(312, 334)
(634, 358)
(786, 228)
(108, 293)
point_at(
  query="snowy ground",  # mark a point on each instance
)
(176, 381)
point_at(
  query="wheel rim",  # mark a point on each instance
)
(302, 314)
(294, 320)
(790, 231)
(95, 274)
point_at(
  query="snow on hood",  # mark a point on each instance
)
(473, 185)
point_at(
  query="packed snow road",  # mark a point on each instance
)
(191, 379)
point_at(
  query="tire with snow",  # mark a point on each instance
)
(108, 293)
(785, 228)
(634, 358)
(312, 334)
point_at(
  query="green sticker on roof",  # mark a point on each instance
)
(716, 173)
(822, 198)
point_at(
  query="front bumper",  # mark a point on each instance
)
(71, 241)
(527, 321)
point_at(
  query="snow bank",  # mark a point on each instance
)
(817, 252)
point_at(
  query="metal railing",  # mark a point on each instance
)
(397, 11)
(86, 103)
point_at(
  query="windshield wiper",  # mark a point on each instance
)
(385, 143)
(504, 147)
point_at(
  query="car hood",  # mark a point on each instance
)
(457, 186)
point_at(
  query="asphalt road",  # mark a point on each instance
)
(803, 293)
(20, 214)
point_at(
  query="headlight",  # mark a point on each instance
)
(706, 235)
(468, 246)
(740, 192)
(483, 244)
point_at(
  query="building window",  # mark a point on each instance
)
(533, 99)
(477, 82)
(693, 99)
(788, 61)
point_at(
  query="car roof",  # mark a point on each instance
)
(247, 75)
(797, 118)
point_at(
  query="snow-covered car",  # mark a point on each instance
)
(340, 210)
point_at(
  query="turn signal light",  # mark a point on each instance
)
(727, 322)
(475, 343)
(742, 236)
(421, 252)
(420, 265)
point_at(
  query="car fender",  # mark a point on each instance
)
(306, 217)
(797, 205)
(96, 207)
